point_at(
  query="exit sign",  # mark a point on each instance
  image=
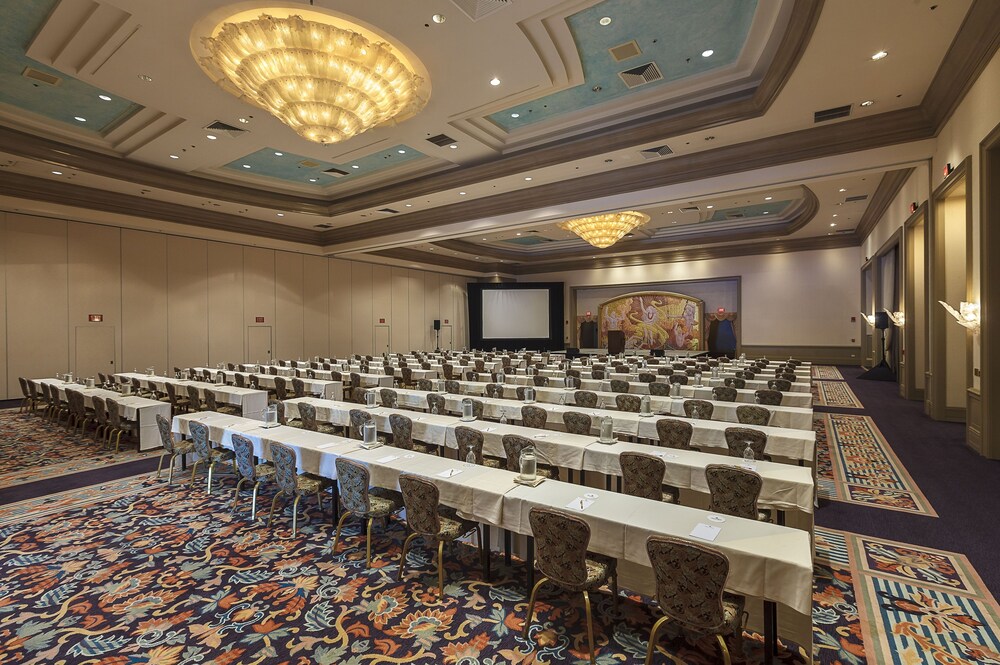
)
(381, 320)
(446, 320)
(259, 319)
(96, 318)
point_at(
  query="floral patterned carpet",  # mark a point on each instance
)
(855, 464)
(835, 394)
(828, 372)
(33, 448)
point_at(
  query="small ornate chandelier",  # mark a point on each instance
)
(318, 75)
(605, 230)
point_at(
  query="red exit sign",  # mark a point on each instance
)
(446, 320)
(96, 318)
(259, 319)
(381, 320)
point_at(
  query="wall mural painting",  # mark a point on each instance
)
(654, 320)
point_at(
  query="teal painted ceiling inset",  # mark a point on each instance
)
(62, 102)
(274, 163)
(527, 241)
(749, 211)
(671, 33)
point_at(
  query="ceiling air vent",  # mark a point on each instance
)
(832, 114)
(690, 209)
(309, 164)
(323, 226)
(625, 51)
(441, 140)
(735, 215)
(219, 126)
(658, 151)
(641, 75)
(477, 9)
(335, 172)
(40, 77)
(387, 211)
(859, 197)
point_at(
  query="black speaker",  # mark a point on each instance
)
(658, 353)
(437, 324)
(572, 352)
(881, 320)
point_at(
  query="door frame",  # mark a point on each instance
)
(908, 380)
(114, 348)
(988, 394)
(388, 346)
(270, 352)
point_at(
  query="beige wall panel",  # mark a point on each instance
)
(400, 338)
(258, 290)
(341, 323)
(382, 302)
(144, 300)
(432, 306)
(419, 323)
(7, 390)
(315, 306)
(362, 310)
(955, 267)
(288, 310)
(187, 302)
(95, 287)
(225, 303)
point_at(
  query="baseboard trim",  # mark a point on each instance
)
(820, 355)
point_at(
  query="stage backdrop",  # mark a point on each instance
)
(653, 320)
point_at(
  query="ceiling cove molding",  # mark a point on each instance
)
(795, 218)
(50, 191)
(410, 255)
(888, 187)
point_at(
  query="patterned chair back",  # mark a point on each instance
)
(24, 386)
(664, 371)
(679, 378)
(469, 439)
(449, 371)
(243, 449)
(307, 414)
(286, 468)
(642, 475)
(493, 390)
(519, 392)
(240, 380)
(211, 400)
(597, 374)
(280, 408)
(561, 542)
(436, 400)
(788, 376)
(781, 385)
(421, 498)
(100, 411)
(114, 416)
(136, 385)
(630, 403)
(425, 365)
(166, 436)
(194, 398)
(76, 404)
(280, 388)
(477, 408)
(585, 398)
(452, 386)
(540, 381)
(425, 385)
(738, 437)
(751, 414)
(659, 389)
(733, 490)
(576, 422)
(703, 408)
(724, 394)
(354, 480)
(298, 387)
(619, 386)
(389, 397)
(480, 365)
(406, 374)
(358, 419)
(690, 578)
(512, 446)
(680, 366)
(199, 437)
(575, 373)
(534, 416)
(673, 433)
(768, 397)
(402, 431)
(647, 377)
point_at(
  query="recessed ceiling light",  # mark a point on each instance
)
(174, 157)
(145, 78)
(528, 178)
(494, 81)
(477, 258)
(833, 224)
(57, 173)
(246, 166)
(834, 214)
(461, 193)
(484, 238)
(767, 198)
(709, 207)
(879, 55)
(312, 179)
(518, 234)
(593, 257)
(707, 53)
(278, 154)
(670, 212)
(210, 137)
(402, 152)
(79, 118)
(104, 97)
(842, 189)
(605, 20)
(454, 146)
(439, 18)
(868, 102)
(515, 115)
(355, 166)
(244, 120)
(281, 214)
(409, 205)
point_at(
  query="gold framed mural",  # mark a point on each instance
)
(654, 320)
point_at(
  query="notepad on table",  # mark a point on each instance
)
(387, 459)
(448, 473)
(705, 532)
(579, 503)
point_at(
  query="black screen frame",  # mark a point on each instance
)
(554, 342)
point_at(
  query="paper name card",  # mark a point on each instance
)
(579, 503)
(749, 467)
(387, 459)
(705, 532)
(448, 473)
(327, 445)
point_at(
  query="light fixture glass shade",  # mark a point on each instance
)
(605, 230)
(324, 80)
(967, 316)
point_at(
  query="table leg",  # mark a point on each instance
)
(487, 567)
(781, 517)
(583, 477)
(335, 491)
(607, 482)
(770, 631)
(569, 475)
(506, 546)
(619, 484)
(530, 561)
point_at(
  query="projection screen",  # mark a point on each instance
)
(516, 314)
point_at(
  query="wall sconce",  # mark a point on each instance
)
(967, 316)
(869, 318)
(898, 318)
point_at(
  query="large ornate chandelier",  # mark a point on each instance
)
(322, 76)
(605, 230)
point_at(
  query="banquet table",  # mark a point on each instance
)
(251, 402)
(322, 387)
(138, 409)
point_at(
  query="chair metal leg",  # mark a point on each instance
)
(590, 625)
(194, 470)
(725, 650)
(614, 591)
(402, 556)
(441, 569)
(531, 605)
(159, 464)
(336, 535)
(273, 501)
(236, 494)
(295, 515)
(652, 638)
(253, 502)
(368, 545)
(211, 469)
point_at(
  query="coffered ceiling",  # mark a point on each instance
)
(702, 115)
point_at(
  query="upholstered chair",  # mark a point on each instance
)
(402, 435)
(512, 447)
(698, 408)
(493, 390)
(291, 483)
(469, 439)
(577, 423)
(363, 501)
(629, 403)
(436, 400)
(453, 387)
(425, 385)
(674, 433)
(298, 387)
(598, 374)
(585, 398)
(678, 378)
(194, 398)
(751, 414)
(739, 384)
(619, 386)
(389, 397)
(119, 424)
(308, 420)
(768, 397)
(250, 472)
(665, 371)
(642, 476)
(212, 404)
(724, 394)
(734, 491)
(533, 416)
(100, 418)
(207, 455)
(171, 447)
(781, 385)
(659, 389)
(737, 439)
(647, 377)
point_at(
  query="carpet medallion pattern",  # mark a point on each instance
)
(32, 449)
(857, 465)
(826, 372)
(835, 394)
